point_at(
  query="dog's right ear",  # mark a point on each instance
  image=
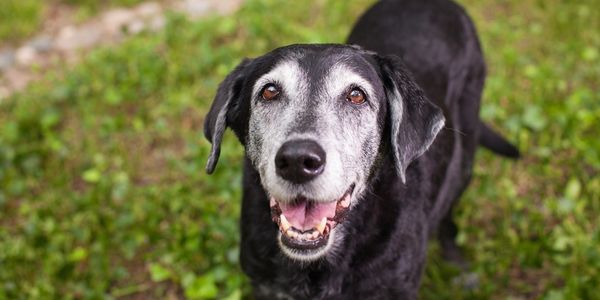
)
(215, 122)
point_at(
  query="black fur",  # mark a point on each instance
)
(490, 139)
(382, 254)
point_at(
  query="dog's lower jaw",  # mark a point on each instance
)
(309, 255)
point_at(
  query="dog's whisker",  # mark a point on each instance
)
(454, 130)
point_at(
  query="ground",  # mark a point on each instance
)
(103, 193)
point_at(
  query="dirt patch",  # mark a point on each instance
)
(62, 40)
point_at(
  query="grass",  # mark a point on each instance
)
(103, 194)
(20, 19)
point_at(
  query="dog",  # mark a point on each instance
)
(356, 154)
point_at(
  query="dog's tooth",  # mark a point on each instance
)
(321, 226)
(284, 222)
(289, 233)
(273, 202)
(315, 234)
(327, 229)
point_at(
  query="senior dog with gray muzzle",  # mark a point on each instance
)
(355, 155)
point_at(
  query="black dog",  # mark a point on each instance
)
(349, 168)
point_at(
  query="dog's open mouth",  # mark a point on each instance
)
(306, 224)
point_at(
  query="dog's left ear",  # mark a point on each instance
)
(226, 99)
(414, 120)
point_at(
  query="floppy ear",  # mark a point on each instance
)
(414, 120)
(215, 122)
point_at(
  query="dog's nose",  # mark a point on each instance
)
(300, 161)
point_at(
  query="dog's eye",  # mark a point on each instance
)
(356, 96)
(270, 92)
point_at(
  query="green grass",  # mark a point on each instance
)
(20, 19)
(103, 193)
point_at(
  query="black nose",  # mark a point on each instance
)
(300, 161)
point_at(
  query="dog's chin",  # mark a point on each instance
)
(307, 227)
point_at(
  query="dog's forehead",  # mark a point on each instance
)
(322, 62)
(320, 65)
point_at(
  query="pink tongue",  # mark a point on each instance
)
(304, 217)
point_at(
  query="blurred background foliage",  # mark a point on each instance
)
(103, 193)
(22, 18)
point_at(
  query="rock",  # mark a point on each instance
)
(65, 38)
(72, 38)
(136, 27)
(114, 21)
(16, 79)
(468, 281)
(7, 59)
(41, 43)
(148, 9)
(194, 8)
(26, 55)
(227, 7)
(157, 23)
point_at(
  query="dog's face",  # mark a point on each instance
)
(312, 119)
(313, 135)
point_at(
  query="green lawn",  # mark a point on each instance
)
(103, 192)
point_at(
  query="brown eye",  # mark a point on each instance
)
(270, 92)
(356, 96)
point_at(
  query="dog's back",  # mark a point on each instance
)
(438, 43)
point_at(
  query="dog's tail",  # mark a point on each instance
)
(492, 140)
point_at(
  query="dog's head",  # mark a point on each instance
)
(312, 119)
